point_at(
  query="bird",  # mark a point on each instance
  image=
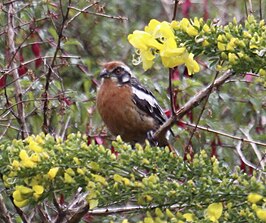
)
(127, 107)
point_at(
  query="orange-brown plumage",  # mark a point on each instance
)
(126, 107)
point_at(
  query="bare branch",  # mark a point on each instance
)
(99, 14)
(201, 113)
(244, 159)
(18, 90)
(254, 147)
(224, 134)
(81, 11)
(46, 121)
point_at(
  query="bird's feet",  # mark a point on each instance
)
(151, 139)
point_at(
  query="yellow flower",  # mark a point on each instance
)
(232, 58)
(35, 157)
(214, 211)
(76, 160)
(35, 147)
(160, 30)
(150, 28)
(52, 172)
(23, 155)
(192, 31)
(171, 55)
(39, 189)
(146, 45)
(100, 179)
(118, 178)
(184, 23)
(221, 46)
(205, 43)
(262, 72)
(191, 64)
(231, 45)
(188, 217)
(174, 24)
(93, 203)
(15, 164)
(68, 179)
(143, 40)
(206, 28)
(18, 196)
(21, 204)
(254, 198)
(70, 171)
(24, 190)
(261, 213)
(196, 22)
(25, 159)
(81, 171)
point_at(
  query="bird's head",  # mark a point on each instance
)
(117, 71)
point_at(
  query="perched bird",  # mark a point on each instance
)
(128, 108)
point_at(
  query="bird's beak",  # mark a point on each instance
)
(104, 73)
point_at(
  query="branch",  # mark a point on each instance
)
(192, 103)
(99, 14)
(223, 134)
(245, 160)
(254, 147)
(79, 12)
(18, 89)
(201, 113)
(46, 122)
(175, 9)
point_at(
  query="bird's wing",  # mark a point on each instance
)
(145, 101)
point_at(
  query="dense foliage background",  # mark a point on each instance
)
(51, 54)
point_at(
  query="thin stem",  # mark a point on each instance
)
(46, 121)
(98, 14)
(223, 133)
(260, 9)
(175, 9)
(201, 113)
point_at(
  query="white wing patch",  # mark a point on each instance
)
(143, 96)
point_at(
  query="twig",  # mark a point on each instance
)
(175, 9)
(223, 134)
(250, 6)
(43, 58)
(65, 127)
(18, 89)
(81, 11)
(193, 102)
(260, 5)
(46, 121)
(255, 149)
(99, 14)
(78, 206)
(172, 102)
(244, 159)
(200, 115)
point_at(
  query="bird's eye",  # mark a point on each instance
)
(118, 70)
